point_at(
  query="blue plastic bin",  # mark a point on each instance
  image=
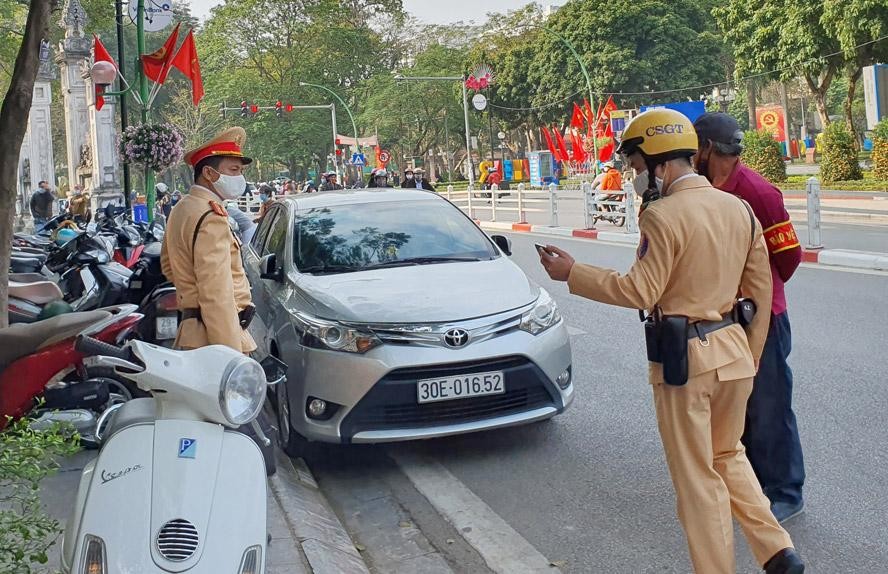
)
(140, 213)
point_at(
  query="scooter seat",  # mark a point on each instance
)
(37, 292)
(133, 412)
(25, 265)
(27, 277)
(22, 339)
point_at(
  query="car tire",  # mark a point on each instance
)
(291, 442)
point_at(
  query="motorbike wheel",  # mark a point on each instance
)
(619, 221)
(290, 441)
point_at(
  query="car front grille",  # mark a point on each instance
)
(392, 403)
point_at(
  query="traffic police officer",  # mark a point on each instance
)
(201, 255)
(699, 248)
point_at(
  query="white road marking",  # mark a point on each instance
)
(503, 549)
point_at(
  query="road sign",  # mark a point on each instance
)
(480, 102)
(358, 159)
(385, 156)
(158, 14)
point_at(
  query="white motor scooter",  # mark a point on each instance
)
(174, 487)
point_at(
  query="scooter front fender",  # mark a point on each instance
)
(174, 496)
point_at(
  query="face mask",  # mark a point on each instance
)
(658, 181)
(263, 197)
(409, 176)
(703, 164)
(229, 186)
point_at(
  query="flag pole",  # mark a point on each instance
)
(150, 195)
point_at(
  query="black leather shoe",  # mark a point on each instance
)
(784, 511)
(786, 561)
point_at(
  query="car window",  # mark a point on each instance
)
(265, 224)
(277, 237)
(356, 236)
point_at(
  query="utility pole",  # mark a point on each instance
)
(124, 115)
(150, 195)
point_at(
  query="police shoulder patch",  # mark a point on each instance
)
(218, 209)
(642, 247)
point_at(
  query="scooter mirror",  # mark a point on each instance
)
(275, 370)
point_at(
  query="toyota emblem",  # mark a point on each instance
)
(456, 337)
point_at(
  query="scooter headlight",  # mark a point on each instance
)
(243, 391)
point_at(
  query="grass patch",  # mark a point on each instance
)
(868, 183)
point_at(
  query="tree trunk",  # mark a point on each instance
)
(13, 124)
(853, 78)
(818, 90)
(751, 96)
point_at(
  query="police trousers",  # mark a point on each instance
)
(700, 425)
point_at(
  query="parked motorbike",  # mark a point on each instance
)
(175, 487)
(39, 360)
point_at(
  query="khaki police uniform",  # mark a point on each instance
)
(209, 277)
(694, 259)
(78, 204)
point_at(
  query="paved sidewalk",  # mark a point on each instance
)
(306, 535)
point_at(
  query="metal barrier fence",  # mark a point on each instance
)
(618, 207)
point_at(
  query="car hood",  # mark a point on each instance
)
(434, 293)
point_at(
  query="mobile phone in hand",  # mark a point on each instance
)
(542, 249)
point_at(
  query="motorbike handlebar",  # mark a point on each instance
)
(89, 347)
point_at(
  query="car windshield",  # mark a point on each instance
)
(356, 237)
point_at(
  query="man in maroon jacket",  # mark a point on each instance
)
(771, 436)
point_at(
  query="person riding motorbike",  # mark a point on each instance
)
(379, 178)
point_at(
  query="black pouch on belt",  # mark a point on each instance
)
(674, 349)
(652, 339)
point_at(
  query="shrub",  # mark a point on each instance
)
(26, 457)
(763, 154)
(880, 150)
(838, 156)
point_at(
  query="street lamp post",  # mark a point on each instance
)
(341, 101)
(462, 80)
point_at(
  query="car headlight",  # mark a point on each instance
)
(243, 391)
(543, 315)
(323, 334)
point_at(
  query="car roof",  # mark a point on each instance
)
(358, 196)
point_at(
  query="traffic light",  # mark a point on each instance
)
(222, 109)
(244, 109)
(279, 109)
(254, 109)
(289, 107)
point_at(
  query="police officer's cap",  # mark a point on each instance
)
(718, 127)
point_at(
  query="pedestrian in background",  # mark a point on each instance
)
(41, 204)
(772, 435)
(266, 196)
(78, 203)
(420, 180)
(698, 249)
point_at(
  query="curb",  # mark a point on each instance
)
(831, 257)
(322, 539)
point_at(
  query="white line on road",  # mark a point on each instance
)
(503, 549)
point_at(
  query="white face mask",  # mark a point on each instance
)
(230, 186)
(659, 182)
(409, 176)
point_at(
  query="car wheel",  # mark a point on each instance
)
(291, 442)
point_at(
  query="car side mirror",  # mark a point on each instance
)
(503, 242)
(268, 268)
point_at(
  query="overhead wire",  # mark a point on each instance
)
(690, 88)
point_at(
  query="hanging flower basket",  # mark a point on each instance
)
(154, 146)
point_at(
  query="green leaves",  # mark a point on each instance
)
(26, 457)
(838, 155)
(762, 153)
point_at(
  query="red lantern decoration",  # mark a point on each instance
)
(338, 152)
(289, 107)
(254, 108)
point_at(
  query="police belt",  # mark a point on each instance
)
(244, 317)
(702, 328)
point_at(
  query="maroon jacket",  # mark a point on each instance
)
(767, 205)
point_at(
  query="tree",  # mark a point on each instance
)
(13, 123)
(856, 24)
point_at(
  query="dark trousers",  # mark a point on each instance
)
(772, 436)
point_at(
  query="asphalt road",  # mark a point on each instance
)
(590, 489)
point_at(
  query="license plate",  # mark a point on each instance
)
(460, 387)
(166, 327)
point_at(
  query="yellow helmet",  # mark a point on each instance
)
(660, 133)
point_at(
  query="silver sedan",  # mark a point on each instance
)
(399, 319)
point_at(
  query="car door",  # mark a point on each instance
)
(261, 297)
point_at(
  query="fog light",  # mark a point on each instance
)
(563, 379)
(317, 408)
